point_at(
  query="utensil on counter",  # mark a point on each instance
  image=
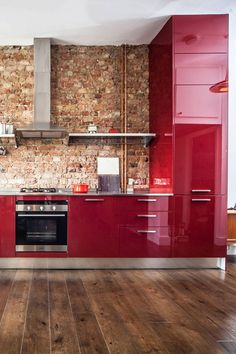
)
(80, 188)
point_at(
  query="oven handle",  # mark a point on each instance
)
(39, 215)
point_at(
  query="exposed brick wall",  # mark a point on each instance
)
(86, 84)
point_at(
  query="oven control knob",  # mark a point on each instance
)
(28, 207)
(54, 207)
(41, 208)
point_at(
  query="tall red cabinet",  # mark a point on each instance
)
(189, 157)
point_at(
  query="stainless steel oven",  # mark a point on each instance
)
(41, 225)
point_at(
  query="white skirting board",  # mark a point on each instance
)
(111, 263)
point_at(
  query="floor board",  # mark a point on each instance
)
(118, 311)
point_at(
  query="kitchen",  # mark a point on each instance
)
(114, 90)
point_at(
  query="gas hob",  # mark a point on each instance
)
(38, 190)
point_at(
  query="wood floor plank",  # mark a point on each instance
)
(209, 305)
(36, 335)
(178, 325)
(123, 330)
(91, 339)
(63, 331)
(6, 281)
(13, 319)
(185, 297)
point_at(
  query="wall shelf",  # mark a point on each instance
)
(146, 137)
(10, 137)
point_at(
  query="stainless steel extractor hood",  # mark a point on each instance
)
(42, 126)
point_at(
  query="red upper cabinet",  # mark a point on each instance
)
(199, 69)
(199, 162)
(195, 104)
(7, 226)
(92, 227)
(200, 34)
(194, 75)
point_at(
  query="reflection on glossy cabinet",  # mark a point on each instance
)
(197, 104)
(200, 226)
(200, 34)
(92, 227)
(199, 69)
(199, 162)
(7, 226)
(145, 242)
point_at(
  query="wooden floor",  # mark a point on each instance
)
(103, 311)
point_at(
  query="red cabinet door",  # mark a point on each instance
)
(200, 226)
(198, 163)
(92, 227)
(7, 226)
(200, 33)
(145, 242)
(200, 69)
(196, 104)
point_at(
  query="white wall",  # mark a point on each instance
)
(232, 112)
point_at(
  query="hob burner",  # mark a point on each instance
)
(38, 190)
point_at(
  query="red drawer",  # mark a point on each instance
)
(143, 204)
(144, 242)
(150, 219)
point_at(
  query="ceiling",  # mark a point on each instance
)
(95, 22)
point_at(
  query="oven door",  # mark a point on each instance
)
(41, 231)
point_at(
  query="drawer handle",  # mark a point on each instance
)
(168, 134)
(147, 216)
(201, 200)
(94, 200)
(201, 190)
(146, 231)
(146, 200)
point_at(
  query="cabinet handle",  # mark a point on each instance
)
(179, 113)
(168, 134)
(146, 200)
(146, 216)
(94, 200)
(201, 200)
(201, 190)
(146, 231)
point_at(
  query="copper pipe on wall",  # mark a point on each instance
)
(123, 117)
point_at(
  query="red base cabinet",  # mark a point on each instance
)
(92, 228)
(145, 242)
(200, 226)
(145, 226)
(7, 226)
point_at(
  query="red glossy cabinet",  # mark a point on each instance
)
(147, 242)
(187, 57)
(92, 227)
(200, 158)
(145, 226)
(7, 226)
(196, 104)
(161, 122)
(200, 33)
(194, 75)
(200, 226)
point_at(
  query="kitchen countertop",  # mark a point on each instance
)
(69, 192)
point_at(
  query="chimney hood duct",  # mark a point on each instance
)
(42, 126)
